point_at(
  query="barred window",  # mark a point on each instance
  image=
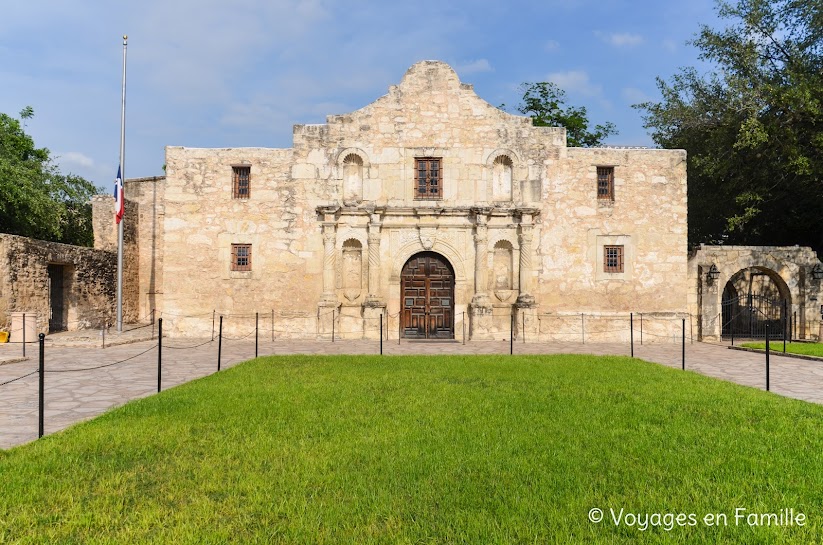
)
(241, 188)
(605, 183)
(428, 178)
(613, 259)
(241, 257)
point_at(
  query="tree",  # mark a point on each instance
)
(544, 103)
(36, 200)
(753, 128)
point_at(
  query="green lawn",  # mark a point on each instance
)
(808, 349)
(493, 449)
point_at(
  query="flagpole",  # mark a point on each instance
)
(123, 177)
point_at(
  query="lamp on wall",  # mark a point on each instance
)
(817, 272)
(713, 274)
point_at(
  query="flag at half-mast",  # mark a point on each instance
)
(119, 206)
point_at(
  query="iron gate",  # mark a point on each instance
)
(748, 316)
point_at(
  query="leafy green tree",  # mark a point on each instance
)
(544, 102)
(36, 200)
(752, 127)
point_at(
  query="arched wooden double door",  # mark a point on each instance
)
(427, 290)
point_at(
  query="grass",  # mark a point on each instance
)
(807, 349)
(493, 449)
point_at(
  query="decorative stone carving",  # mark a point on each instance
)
(428, 236)
(328, 262)
(374, 262)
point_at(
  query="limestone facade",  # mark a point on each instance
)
(331, 222)
(70, 286)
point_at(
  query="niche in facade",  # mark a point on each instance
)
(502, 179)
(352, 269)
(503, 271)
(352, 179)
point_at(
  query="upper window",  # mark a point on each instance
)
(613, 259)
(605, 183)
(241, 257)
(241, 188)
(428, 178)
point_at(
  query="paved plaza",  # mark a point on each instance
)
(73, 394)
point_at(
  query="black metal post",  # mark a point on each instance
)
(511, 335)
(381, 333)
(683, 350)
(220, 343)
(767, 357)
(24, 334)
(332, 325)
(159, 354)
(42, 386)
(256, 324)
(631, 331)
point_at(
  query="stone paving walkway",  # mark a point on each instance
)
(73, 395)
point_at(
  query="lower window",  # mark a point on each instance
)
(613, 259)
(241, 257)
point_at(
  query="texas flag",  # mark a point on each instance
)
(118, 197)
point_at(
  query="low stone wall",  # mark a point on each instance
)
(89, 280)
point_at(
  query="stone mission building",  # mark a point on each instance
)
(430, 207)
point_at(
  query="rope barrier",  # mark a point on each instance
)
(101, 366)
(188, 347)
(225, 338)
(18, 378)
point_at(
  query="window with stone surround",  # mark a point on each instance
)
(613, 259)
(605, 183)
(241, 186)
(241, 257)
(428, 178)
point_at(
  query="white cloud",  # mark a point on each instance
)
(576, 81)
(620, 39)
(75, 158)
(633, 95)
(551, 45)
(670, 45)
(473, 67)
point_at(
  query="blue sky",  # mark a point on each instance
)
(208, 73)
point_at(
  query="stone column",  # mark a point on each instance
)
(374, 261)
(526, 234)
(373, 307)
(329, 237)
(481, 253)
(526, 320)
(480, 310)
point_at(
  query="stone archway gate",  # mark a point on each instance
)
(790, 267)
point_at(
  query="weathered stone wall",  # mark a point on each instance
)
(143, 243)
(789, 267)
(332, 220)
(89, 282)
